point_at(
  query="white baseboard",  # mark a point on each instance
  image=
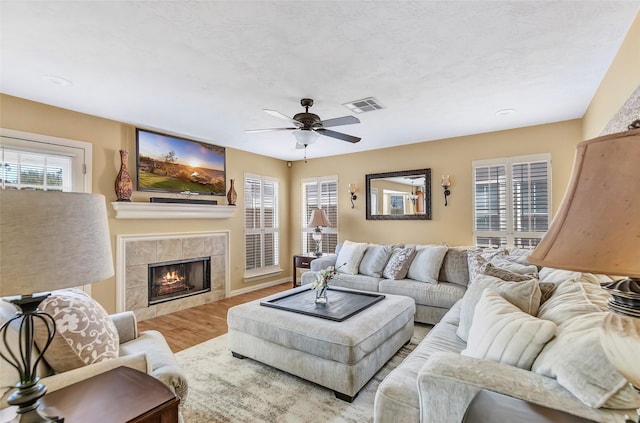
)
(257, 287)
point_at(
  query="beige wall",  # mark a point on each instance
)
(107, 138)
(622, 78)
(452, 224)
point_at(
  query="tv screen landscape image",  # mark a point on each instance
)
(176, 165)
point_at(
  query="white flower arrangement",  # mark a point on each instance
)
(324, 276)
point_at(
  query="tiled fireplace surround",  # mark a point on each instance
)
(135, 252)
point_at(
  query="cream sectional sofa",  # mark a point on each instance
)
(436, 276)
(566, 370)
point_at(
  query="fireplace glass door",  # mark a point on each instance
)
(177, 279)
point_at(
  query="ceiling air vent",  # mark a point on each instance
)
(368, 104)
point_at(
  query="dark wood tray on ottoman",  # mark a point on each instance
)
(341, 303)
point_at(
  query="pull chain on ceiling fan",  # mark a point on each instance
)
(308, 126)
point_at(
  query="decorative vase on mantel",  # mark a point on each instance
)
(124, 185)
(232, 195)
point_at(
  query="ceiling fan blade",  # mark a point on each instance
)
(338, 135)
(285, 117)
(253, 131)
(344, 120)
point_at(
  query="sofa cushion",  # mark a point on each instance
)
(399, 263)
(425, 266)
(524, 295)
(84, 332)
(578, 362)
(443, 295)
(349, 257)
(360, 282)
(503, 333)
(455, 266)
(374, 260)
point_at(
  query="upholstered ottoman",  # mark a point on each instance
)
(341, 356)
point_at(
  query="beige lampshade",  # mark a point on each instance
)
(52, 240)
(318, 218)
(597, 227)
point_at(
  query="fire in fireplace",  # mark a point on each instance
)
(176, 279)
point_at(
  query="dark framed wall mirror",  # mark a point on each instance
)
(401, 195)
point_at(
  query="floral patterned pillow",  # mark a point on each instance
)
(399, 262)
(84, 332)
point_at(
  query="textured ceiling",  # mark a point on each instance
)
(206, 69)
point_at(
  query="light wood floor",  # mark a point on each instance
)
(187, 328)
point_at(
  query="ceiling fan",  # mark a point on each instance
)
(308, 126)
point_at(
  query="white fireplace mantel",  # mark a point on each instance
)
(139, 210)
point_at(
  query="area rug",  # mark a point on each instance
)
(226, 389)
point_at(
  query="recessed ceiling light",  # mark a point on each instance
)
(56, 80)
(505, 112)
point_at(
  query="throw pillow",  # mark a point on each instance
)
(514, 266)
(350, 254)
(576, 359)
(549, 274)
(425, 266)
(504, 274)
(524, 295)
(84, 332)
(503, 333)
(478, 257)
(572, 298)
(546, 290)
(455, 266)
(399, 263)
(375, 258)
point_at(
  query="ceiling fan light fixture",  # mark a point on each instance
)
(306, 136)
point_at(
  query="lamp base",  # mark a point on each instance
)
(620, 337)
(29, 391)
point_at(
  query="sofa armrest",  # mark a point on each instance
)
(323, 262)
(126, 324)
(163, 363)
(451, 379)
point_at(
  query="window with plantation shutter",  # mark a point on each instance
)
(321, 193)
(36, 162)
(512, 200)
(261, 225)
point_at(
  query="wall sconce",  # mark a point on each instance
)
(446, 183)
(353, 188)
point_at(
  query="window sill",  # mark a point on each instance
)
(254, 276)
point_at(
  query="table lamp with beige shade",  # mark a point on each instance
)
(597, 230)
(318, 219)
(48, 241)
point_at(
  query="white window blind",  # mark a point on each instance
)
(321, 193)
(261, 223)
(512, 200)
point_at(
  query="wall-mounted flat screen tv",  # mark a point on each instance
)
(177, 165)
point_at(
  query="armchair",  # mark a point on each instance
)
(147, 351)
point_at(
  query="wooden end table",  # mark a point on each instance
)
(117, 396)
